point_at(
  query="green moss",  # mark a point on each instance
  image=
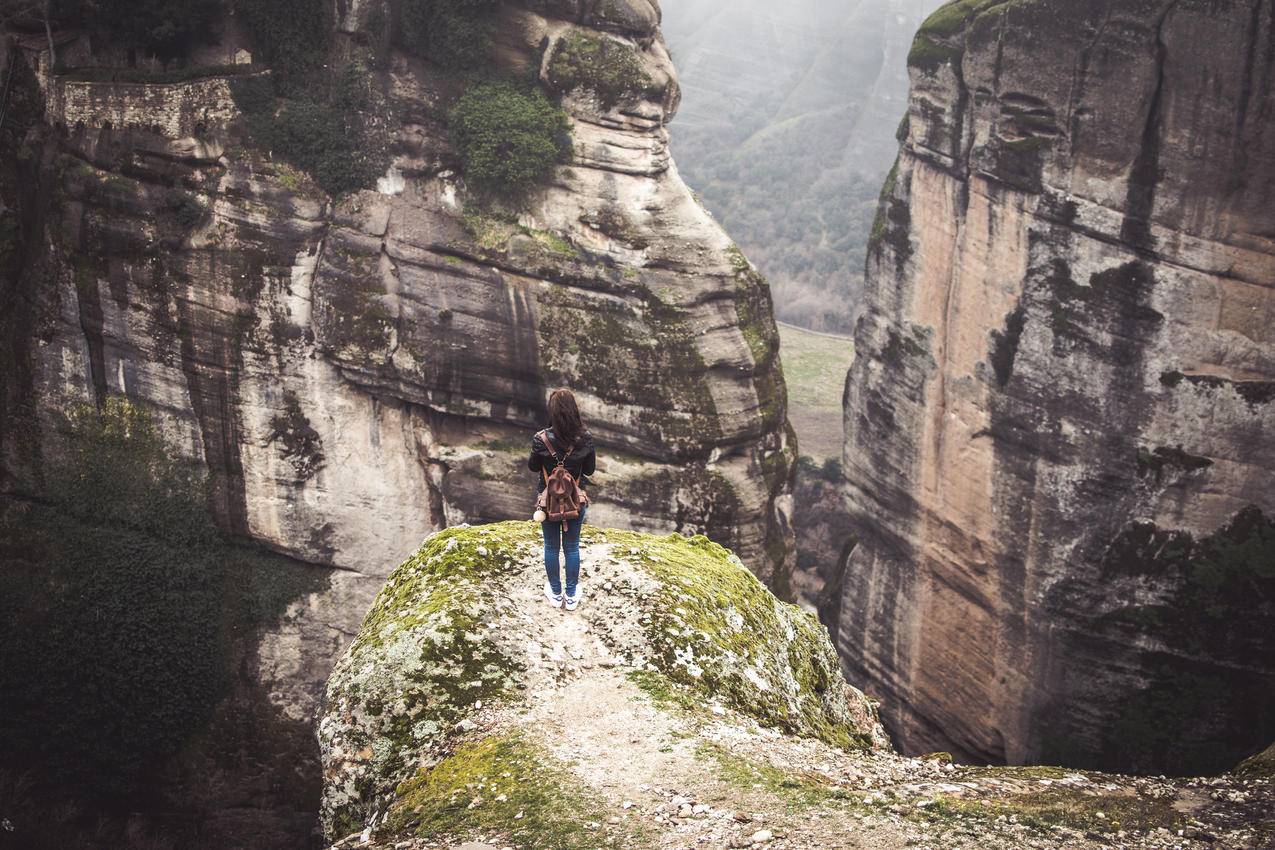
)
(609, 68)
(652, 352)
(880, 223)
(1065, 806)
(715, 628)
(490, 231)
(505, 785)
(798, 791)
(553, 243)
(928, 55)
(432, 618)
(1260, 766)
(940, 41)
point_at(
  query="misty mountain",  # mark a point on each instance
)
(787, 130)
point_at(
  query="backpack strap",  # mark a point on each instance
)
(549, 444)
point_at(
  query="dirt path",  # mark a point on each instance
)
(707, 780)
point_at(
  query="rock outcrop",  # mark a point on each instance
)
(1060, 429)
(682, 705)
(356, 373)
(460, 626)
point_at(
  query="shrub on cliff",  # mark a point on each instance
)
(329, 132)
(165, 28)
(508, 138)
(291, 36)
(454, 33)
(120, 607)
(609, 68)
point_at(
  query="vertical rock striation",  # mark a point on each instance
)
(1060, 428)
(356, 373)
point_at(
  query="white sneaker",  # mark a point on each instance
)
(555, 599)
(573, 601)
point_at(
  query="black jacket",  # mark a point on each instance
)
(579, 463)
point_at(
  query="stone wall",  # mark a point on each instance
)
(174, 110)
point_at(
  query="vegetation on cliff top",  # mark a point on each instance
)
(934, 44)
(444, 637)
(509, 138)
(456, 34)
(288, 35)
(324, 131)
(609, 68)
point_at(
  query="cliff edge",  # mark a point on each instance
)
(681, 705)
(1060, 428)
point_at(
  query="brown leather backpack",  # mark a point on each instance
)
(562, 499)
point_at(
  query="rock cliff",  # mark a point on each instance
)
(682, 705)
(1060, 429)
(355, 372)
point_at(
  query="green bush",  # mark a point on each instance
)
(166, 28)
(292, 36)
(603, 65)
(508, 138)
(454, 33)
(120, 605)
(331, 139)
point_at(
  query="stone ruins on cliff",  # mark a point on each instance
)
(1060, 429)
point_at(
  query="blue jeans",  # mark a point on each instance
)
(558, 536)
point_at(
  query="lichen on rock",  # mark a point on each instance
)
(450, 635)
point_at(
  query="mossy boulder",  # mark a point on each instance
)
(1261, 765)
(457, 633)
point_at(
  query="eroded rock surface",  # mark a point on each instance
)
(1061, 423)
(357, 373)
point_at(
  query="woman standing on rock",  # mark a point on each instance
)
(562, 457)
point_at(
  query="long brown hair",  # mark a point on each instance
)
(564, 417)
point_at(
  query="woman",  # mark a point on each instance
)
(571, 444)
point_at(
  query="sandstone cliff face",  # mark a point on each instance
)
(1060, 429)
(358, 373)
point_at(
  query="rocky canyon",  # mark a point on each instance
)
(1060, 426)
(787, 129)
(352, 370)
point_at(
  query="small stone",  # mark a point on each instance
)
(761, 836)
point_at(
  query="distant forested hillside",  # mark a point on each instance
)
(787, 130)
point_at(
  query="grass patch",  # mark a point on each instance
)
(798, 791)
(815, 367)
(505, 785)
(1066, 807)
